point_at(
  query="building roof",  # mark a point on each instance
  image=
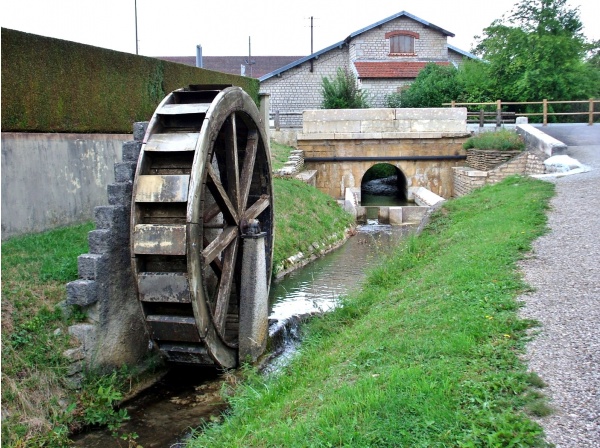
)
(394, 69)
(232, 64)
(350, 37)
(462, 52)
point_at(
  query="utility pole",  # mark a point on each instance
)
(311, 43)
(249, 61)
(136, 30)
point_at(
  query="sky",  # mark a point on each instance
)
(224, 28)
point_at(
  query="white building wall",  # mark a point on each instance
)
(299, 89)
(373, 46)
(379, 89)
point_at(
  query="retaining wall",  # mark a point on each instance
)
(53, 180)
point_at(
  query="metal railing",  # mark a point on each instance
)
(544, 114)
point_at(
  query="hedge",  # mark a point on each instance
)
(53, 85)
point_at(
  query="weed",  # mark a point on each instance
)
(501, 140)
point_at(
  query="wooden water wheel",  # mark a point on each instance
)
(203, 173)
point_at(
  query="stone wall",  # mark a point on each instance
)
(299, 89)
(467, 179)
(341, 145)
(378, 90)
(114, 333)
(372, 45)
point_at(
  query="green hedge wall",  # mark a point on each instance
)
(53, 85)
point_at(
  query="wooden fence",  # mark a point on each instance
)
(544, 114)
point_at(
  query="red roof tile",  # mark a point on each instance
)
(394, 69)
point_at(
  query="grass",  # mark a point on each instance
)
(303, 216)
(501, 140)
(35, 270)
(37, 407)
(425, 355)
(279, 154)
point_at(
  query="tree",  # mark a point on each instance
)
(434, 85)
(342, 92)
(537, 52)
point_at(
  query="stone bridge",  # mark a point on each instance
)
(424, 144)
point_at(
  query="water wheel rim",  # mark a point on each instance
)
(237, 200)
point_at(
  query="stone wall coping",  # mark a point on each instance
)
(378, 135)
(470, 172)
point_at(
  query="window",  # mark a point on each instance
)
(402, 42)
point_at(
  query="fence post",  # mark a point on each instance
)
(453, 103)
(498, 113)
(591, 110)
(545, 111)
(277, 122)
(481, 118)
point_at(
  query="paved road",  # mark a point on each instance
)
(564, 269)
(573, 134)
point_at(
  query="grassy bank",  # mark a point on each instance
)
(425, 355)
(37, 407)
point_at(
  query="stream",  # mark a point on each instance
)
(163, 415)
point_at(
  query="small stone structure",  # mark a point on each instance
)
(467, 179)
(114, 333)
(341, 145)
(485, 160)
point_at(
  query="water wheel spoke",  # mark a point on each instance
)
(225, 283)
(219, 244)
(248, 166)
(232, 162)
(258, 207)
(216, 264)
(211, 212)
(221, 198)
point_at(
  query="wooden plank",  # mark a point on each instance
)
(176, 141)
(231, 162)
(152, 239)
(162, 188)
(224, 292)
(173, 328)
(258, 207)
(216, 188)
(219, 244)
(179, 109)
(248, 166)
(164, 287)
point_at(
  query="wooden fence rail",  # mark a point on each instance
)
(590, 112)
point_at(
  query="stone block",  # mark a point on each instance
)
(86, 335)
(124, 171)
(413, 214)
(74, 354)
(120, 194)
(104, 216)
(139, 130)
(425, 197)
(131, 151)
(395, 216)
(89, 265)
(99, 241)
(82, 292)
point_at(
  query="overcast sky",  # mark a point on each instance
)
(276, 27)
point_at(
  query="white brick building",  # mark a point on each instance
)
(384, 57)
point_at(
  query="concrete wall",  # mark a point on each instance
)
(52, 180)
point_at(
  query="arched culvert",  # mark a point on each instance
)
(385, 181)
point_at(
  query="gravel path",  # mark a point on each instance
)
(564, 268)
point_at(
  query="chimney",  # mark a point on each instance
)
(199, 56)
